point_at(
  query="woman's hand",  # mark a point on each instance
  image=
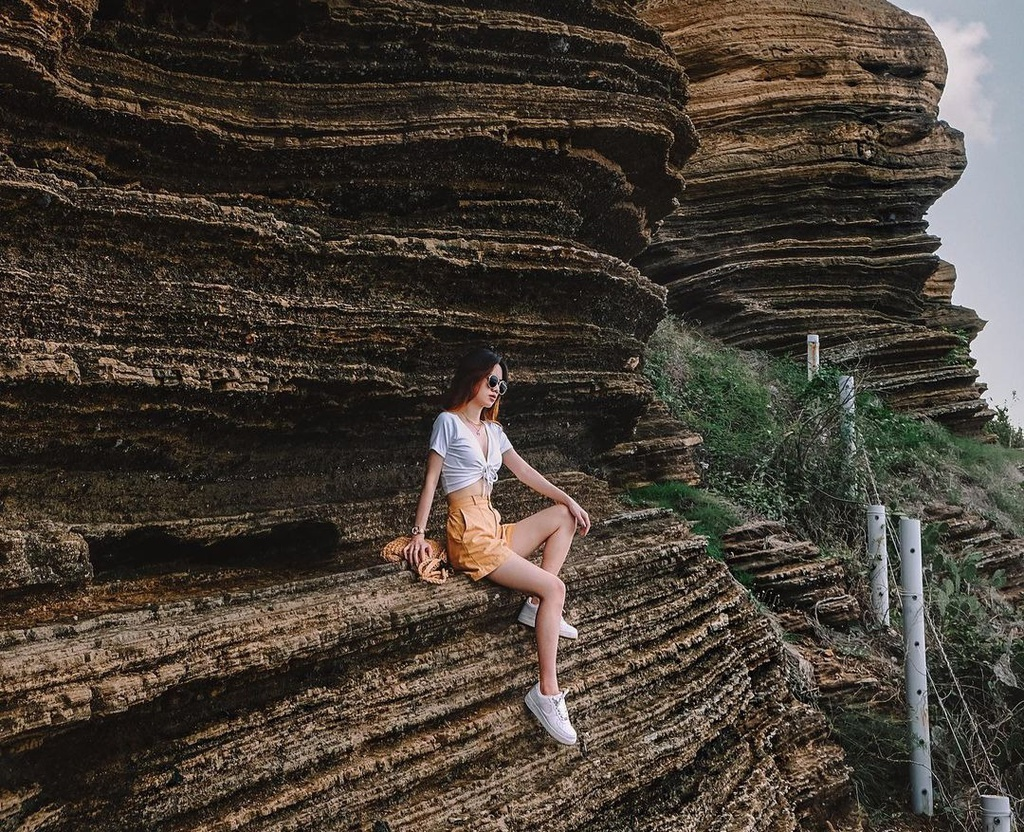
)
(579, 515)
(416, 551)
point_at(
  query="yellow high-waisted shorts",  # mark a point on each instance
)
(478, 542)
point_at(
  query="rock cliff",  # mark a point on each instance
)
(241, 243)
(238, 239)
(821, 152)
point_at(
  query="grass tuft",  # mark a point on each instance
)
(708, 514)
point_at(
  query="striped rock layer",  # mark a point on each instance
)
(792, 576)
(996, 551)
(803, 212)
(362, 698)
(240, 246)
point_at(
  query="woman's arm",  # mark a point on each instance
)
(417, 549)
(528, 475)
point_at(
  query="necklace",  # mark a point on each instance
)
(476, 427)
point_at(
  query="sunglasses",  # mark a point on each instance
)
(497, 383)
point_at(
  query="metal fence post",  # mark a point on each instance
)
(847, 396)
(995, 811)
(813, 357)
(916, 667)
(878, 561)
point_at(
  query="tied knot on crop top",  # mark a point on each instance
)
(464, 461)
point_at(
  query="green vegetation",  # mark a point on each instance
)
(709, 514)
(773, 443)
(874, 737)
(775, 446)
(1006, 433)
(977, 671)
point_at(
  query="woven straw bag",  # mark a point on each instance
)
(435, 569)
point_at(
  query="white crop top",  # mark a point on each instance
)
(464, 462)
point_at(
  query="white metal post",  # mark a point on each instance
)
(995, 811)
(846, 401)
(915, 667)
(813, 357)
(878, 561)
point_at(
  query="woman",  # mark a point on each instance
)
(467, 447)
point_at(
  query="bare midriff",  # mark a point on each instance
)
(477, 489)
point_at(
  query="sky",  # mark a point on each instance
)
(981, 219)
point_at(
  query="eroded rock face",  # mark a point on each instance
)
(803, 209)
(791, 575)
(360, 697)
(996, 551)
(45, 554)
(242, 244)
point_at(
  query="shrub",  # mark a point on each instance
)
(1005, 432)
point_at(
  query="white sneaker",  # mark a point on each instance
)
(552, 714)
(528, 616)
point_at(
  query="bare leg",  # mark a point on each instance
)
(555, 528)
(524, 576)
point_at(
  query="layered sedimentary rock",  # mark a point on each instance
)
(821, 152)
(658, 450)
(240, 246)
(791, 575)
(996, 551)
(355, 698)
(814, 599)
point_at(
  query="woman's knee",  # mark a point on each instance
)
(565, 518)
(553, 589)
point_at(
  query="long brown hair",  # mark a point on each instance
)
(474, 366)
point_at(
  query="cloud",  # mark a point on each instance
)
(965, 103)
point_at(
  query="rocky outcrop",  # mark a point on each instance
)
(240, 246)
(995, 552)
(659, 450)
(356, 698)
(821, 152)
(814, 600)
(791, 575)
